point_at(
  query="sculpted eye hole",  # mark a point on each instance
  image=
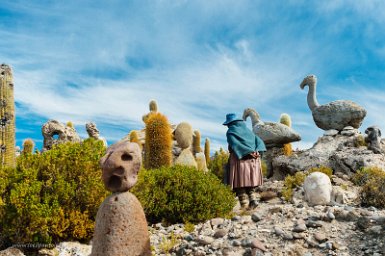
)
(126, 157)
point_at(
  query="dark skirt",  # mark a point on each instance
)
(245, 173)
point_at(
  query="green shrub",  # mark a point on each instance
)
(53, 196)
(218, 162)
(363, 175)
(359, 141)
(181, 194)
(372, 182)
(292, 182)
(297, 180)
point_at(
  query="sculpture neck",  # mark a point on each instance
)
(254, 118)
(312, 97)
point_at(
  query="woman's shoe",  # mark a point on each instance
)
(253, 204)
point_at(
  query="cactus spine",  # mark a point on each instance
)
(197, 142)
(28, 146)
(158, 142)
(286, 120)
(207, 151)
(7, 117)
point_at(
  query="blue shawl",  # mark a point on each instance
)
(243, 141)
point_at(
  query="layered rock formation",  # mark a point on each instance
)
(342, 151)
(55, 133)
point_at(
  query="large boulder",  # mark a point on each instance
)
(318, 189)
(186, 158)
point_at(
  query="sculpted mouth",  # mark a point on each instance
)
(115, 182)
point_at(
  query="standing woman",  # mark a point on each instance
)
(245, 172)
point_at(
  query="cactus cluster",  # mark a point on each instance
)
(286, 120)
(158, 144)
(7, 118)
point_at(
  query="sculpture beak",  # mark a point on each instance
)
(303, 84)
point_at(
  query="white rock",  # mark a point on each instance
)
(317, 188)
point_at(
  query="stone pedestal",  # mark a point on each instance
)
(121, 227)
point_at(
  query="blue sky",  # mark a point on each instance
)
(103, 61)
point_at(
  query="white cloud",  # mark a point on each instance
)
(198, 59)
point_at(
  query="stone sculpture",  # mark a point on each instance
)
(273, 134)
(318, 189)
(183, 134)
(374, 139)
(64, 134)
(93, 132)
(334, 115)
(120, 226)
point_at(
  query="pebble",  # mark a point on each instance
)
(217, 222)
(256, 217)
(330, 215)
(258, 244)
(246, 242)
(236, 243)
(288, 236)
(220, 233)
(205, 240)
(320, 237)
(298, 235)
(300, 226)
(314, 224)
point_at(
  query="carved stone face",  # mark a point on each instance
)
(120, 166)
(373, 132)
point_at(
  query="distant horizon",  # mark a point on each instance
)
(104, 61)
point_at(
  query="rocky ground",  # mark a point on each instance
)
(275, 227)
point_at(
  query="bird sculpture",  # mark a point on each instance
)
(334, 115)
(273, 134)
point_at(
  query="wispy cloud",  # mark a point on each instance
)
(199, 59)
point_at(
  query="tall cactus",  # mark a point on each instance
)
(286, 120)
(7, 117)
(207, 151)
(197, 142)
(158, 142)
